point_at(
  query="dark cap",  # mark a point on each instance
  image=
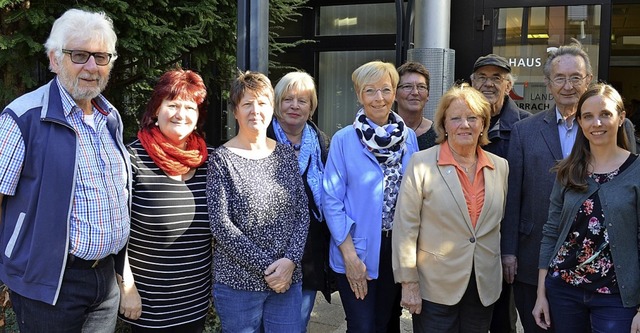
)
(492, 60)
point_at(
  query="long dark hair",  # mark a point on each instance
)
(572, 171)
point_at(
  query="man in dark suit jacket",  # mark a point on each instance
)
(492, 77)
(537, 143)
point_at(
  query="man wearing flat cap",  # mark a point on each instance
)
(492, 77)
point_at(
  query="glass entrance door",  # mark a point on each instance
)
(524, 35)
(624, 69)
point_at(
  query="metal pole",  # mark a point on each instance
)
(431, 38)
(253, 36)
(400, 50)
(433, 18)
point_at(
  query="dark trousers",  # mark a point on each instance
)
(468, 316)
(525, 296)
(373, 313)
(504, 311)
(87, 302)
(393, 325)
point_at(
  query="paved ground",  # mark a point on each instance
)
(329, 318)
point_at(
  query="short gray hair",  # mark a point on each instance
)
(573, 49)
(76, 24)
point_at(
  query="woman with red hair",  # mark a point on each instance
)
(166, 283)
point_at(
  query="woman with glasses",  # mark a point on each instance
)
(362, 177)
(411, 97)
(589, 275)
(446, 238)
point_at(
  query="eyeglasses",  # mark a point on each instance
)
(459, 120)
(370, 92)
(81, 57)
(574, 81)
(483, 79)
(408, 87)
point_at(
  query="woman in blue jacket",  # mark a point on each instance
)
(361, 182)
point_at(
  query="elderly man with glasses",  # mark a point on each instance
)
(492, 77)
(64, 186)
(537, 143)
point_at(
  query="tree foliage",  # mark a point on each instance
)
(153, 36)
(280, 13)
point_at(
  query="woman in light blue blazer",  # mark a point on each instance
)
(361, 182)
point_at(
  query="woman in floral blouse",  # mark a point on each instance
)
(589, 272)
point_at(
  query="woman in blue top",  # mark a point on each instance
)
(362, 177)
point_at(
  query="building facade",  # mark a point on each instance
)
(342, 35)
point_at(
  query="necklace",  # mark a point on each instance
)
(420, 124)
(466, 169)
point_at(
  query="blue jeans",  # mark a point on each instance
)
(88, 302)
(308, 300)
(245, 311)
(574, 309)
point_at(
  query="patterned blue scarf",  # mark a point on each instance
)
(388, 144)
(309, 157)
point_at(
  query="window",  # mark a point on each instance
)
(524, 35)
(337, 100)
(624, 67)
(357, 19)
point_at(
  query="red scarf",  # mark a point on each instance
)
(171, 159)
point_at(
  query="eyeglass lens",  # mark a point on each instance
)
(484, 79)
(81, 57)
(408, 88)
(573, 81)
(372, 92)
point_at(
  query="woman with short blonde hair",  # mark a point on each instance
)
(362, 177)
